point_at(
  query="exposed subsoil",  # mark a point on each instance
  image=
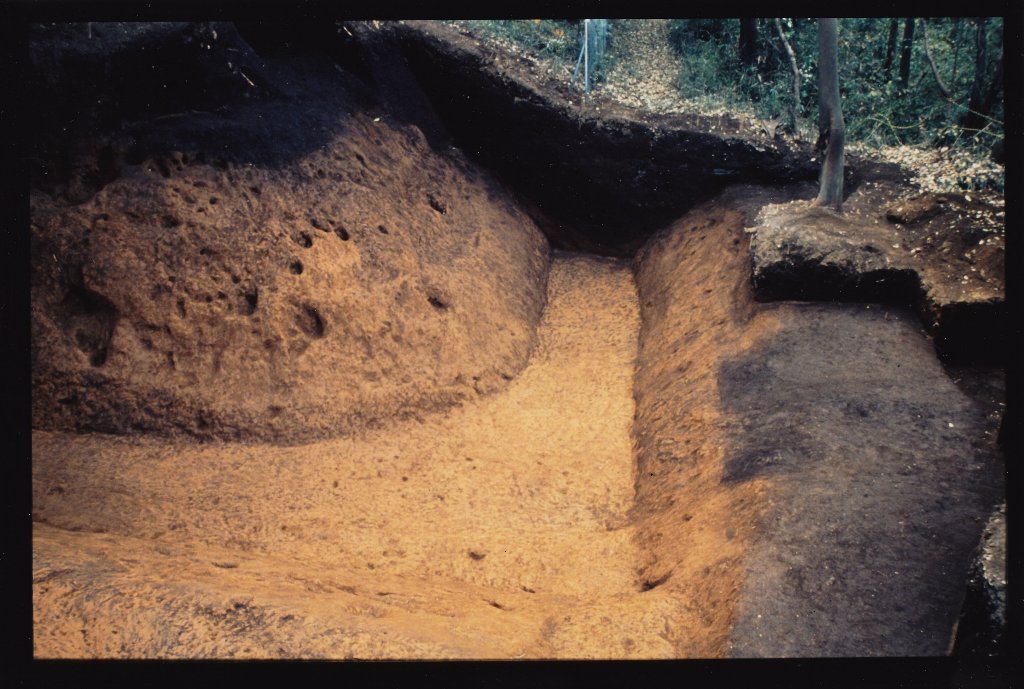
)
(459, 442)
(493, 530)
(517, 526)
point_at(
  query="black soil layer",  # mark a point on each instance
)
(599, 180)
(881, 483)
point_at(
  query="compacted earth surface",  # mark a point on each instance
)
(373, 341)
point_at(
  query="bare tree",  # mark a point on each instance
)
(794, 113)
(931, 61)
(890, 49)
(980, 62)
(994, 89)
(956, 49)
(983, 99)
(830, 115)
(748, 40)
(908, 44)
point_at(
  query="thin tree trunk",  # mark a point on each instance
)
(972, 119)
(931, 60)
(908, 43)
(956, 49)
(831, 183)
(980, 59)
(823, 113)
(748, 41)
(996, 85)
(988, 104)
(794, 113)
(890, 50)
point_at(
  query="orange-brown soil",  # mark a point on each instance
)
(496, 530)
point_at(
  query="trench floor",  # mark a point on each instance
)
(498, 529)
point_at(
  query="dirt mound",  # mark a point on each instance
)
(278, 287)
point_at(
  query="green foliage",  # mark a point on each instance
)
(879, 114)
(875, 111)
(711, 71)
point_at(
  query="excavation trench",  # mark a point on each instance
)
(497, 529)
(504, 528)
(666, 473)
(433, 437)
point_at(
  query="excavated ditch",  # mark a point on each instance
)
(545, 454)
(756, 514)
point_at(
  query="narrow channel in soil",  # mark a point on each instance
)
(495, 530)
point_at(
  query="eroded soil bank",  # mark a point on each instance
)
(285, 265)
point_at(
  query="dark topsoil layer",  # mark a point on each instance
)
(855, 471)
(600, 177)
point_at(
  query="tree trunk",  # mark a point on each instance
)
(908, 43)
(890, 50)
(794, 114)
(994, 89)
(988, 102)
(973, 119)
(931, 60)
(748, 41)
(956, 49)
(980, 60)
(831, 183)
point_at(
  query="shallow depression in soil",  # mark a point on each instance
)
(515, 505)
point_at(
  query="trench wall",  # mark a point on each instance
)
(696, 310)
(808, 476)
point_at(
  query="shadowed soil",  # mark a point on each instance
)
(807, 473)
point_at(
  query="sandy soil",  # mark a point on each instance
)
(385, 539)
(558, 518)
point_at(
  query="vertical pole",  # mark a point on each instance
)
(586, 56)
(831, 114)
